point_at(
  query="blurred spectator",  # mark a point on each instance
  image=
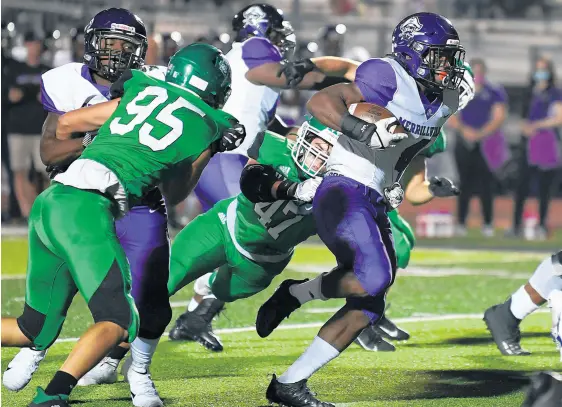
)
(25, 120)
(541, 144)
(481, 148)
(170, 48)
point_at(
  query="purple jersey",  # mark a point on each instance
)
(479, 110)
(542, 102)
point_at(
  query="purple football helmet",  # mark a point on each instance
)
(428, 47)
(265, 21)
(116, 24)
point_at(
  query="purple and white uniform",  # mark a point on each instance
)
(254, 106)
(349, 207)
(142, 232)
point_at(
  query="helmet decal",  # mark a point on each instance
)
(409, 28)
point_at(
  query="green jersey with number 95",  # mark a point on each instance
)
(271, 228)
(156, 126)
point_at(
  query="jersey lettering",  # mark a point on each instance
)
(271, 209)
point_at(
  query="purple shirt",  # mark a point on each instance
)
(258, 51)
(376, 80)
(542, 101)
(479, 110)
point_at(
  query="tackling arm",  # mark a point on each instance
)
(417, 189)
(54, 151)
(330, 105)
(85, 119)
(177, 187)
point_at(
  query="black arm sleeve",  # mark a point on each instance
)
(256, 182)
(277, 125)
(329, 81)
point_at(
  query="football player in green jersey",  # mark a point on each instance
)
(249, 239)
(73, 246)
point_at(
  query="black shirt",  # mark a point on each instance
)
(27, 115)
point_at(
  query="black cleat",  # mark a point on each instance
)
(293, 394)
(197, 325)
(545, 391)
(369, 339)
(504, 328)
(389, 330)
(278, 307)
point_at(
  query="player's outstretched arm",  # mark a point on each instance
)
(85, 119)
(54, 151)
(177, 187)
(420, 190)
(336, 66)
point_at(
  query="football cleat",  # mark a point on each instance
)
(42, 399)
(143, 391)
(555, 305)
(369, 339)
(389, 330)
(545, 391)
(293, 394)
(21, 368)
(504, 328)
(197, 325)
(278, 307)
(105, 372)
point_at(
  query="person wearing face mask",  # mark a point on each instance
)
(481, 148)
(541, 144)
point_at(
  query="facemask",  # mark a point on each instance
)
(541, 75)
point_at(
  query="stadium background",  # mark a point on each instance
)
(450, 361)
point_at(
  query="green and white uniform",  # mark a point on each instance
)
(249, 243)
(72, 241)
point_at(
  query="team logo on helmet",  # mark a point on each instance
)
(123, 27)
(409, 28)
(254, 15)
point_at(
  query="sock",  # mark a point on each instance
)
(542, 280)
(118, 353)
(192, 305)
(61, 383)
(308, 291)
(141, 351)
(202, 285)
(318, 354)
(521, 304)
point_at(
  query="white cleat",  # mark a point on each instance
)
(104, 372)
(21, 368)
(143, 392)
(555, 305)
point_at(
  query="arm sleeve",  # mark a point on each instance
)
(254, 150)
(259, 51)
(376, 80)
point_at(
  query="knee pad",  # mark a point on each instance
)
(31, 324)
(112, 303)
(372, 306)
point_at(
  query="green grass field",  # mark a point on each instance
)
(449, 361)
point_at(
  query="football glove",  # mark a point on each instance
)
(378, 136)
(394, 195)
(305, 190)
(295, 71)
(442, 187)
(231, 138)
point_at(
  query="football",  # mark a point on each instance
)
(372, 113)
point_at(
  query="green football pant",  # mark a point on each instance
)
(204, 245)
(404, 238)
(73, 248)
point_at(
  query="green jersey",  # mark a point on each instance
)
(268, 231)
(438, 146)
(156, 126)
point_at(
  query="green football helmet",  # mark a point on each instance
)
(306, 153)
(203, 70)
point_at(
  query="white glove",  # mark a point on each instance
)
(466, 90)
(383, 137)
(306, 189)
(394, 195)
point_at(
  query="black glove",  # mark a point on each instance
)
(117, 88)
(231, 139)
(442, 187)
(295, 70)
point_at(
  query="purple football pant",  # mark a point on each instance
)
(143, 234)
(220, 179)
(351, 220)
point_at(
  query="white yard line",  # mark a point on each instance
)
(285, 327)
